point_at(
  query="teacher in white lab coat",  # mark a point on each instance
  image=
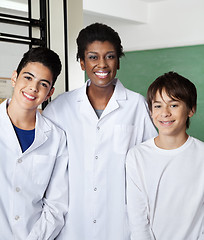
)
(102, 120)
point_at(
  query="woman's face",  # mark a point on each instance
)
(100, 63)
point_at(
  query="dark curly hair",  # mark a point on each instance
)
(98, 32)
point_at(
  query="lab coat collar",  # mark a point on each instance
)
(42, 131)
(119, 94)
(7, 130)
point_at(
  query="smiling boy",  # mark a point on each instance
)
(165, 180)
(33, 162)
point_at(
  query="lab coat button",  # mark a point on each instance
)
(95, 189)
(19, 160)
(94, 221)
(17, 217)
(18, 189)
(96, 157)
(98, 128)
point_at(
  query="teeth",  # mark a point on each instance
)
(166, 122)
(28, 96)
(101, 74)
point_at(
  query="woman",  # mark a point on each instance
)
(102, 121)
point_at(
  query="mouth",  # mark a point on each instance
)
(29, 97)
(167, 123)
(101, 74)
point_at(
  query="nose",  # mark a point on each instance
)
(33, 87)
(166, 112)
(102, 63)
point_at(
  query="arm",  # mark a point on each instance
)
(55, 201)
(137, 205)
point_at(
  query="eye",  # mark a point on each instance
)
(45, 85)
(111, 56)
(157, 106)
(174, 105)
(28, 78)
(92, 57)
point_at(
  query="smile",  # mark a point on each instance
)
(28, 96)
(102, 74)
(166, 123)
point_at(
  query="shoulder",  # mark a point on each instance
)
(146, 146)
(138, 156)
(131, 95)
(47, 125)
(135, 96)
(67, 96)
(63, 102)
(197, 142)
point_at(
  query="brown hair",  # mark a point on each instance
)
(176, 87)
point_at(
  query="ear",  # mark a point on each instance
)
(191, 112)
(50, 93)
(82, 63)
(14, 78)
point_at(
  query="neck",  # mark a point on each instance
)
(170, 142)
(99, 97)
(23, 119)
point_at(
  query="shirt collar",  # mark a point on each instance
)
(119, 91)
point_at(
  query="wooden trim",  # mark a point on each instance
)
(4, 78)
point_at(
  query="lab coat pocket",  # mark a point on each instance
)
(124, 138)
(42, 169)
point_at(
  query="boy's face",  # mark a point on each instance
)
(169, 115)
(32, 86)
(100, 63)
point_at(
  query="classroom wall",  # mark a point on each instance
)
(139, 68)
(171, 23)
(12, 53)
(167, 23)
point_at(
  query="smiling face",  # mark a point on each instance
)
(32, 86)
(100, 63)
(170, 115)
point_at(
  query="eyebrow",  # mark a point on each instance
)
(44, 80)
(167, 101)
(106, 53)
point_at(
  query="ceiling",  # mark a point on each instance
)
(20, 3)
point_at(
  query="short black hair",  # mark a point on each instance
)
(45, 56)
(98, 32)
(176, 87)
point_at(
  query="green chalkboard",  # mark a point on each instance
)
(139, 68)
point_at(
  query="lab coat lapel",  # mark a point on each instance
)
(7, 131)
(42, 131)
(119, 94)
(85, 107)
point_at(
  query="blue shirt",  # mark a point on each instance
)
(25, 137)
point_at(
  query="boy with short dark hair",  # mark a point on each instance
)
(33, 162)
(165, 175)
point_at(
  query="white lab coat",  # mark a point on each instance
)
(97, 150)
(33, 184)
